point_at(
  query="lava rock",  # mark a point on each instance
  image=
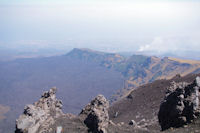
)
(96, 115)
(181, 104)
(40, 115)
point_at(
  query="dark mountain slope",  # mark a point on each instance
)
(94, 117)
(144, 102)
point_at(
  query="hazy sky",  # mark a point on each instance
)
(112, 25)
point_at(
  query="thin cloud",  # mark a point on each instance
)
(171, 45)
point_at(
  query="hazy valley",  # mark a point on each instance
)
(80, 75)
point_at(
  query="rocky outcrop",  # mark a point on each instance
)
(38, 117)
(96, 115)
(46, 116)
(181, 104)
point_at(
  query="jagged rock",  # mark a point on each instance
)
(45, 116)
(40, 115)
(181, 104)
(96, 115)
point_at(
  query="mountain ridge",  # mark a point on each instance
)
(138, 69)
(81, 74)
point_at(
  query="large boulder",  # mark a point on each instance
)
(181, 104)
(96, 115)
(40, 115)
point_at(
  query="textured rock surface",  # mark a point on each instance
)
(181, 105)
(96, 115)
(38, 117)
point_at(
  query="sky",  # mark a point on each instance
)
(156, 26)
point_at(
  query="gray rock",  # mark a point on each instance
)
(181, 105)
(198, 81)
(40, 115)
(133, 123)
(96, 115)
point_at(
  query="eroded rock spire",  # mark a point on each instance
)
(181, 105)
(40, 115)
(96, 115)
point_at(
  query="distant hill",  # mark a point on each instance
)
(138, 69)
(142, 69)
(81, 74)
(109, 60)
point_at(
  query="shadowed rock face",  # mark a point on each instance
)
(181, 105)
(40, 115)
(96, 113)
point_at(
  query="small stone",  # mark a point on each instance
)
(185, 126)
(121, 123)
(111, 122)
(133, 123)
